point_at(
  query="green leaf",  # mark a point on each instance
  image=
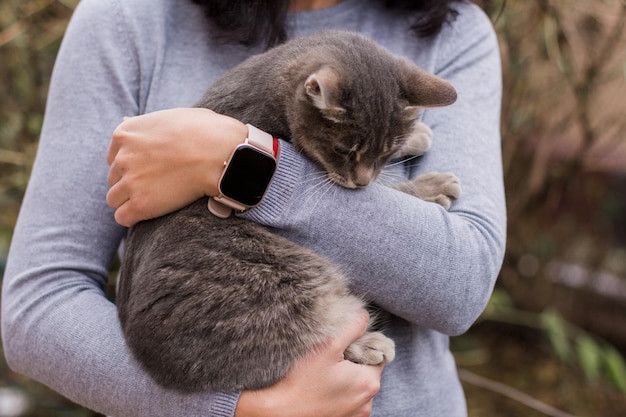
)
(615, 367)
(590, 357)
(500, 298)
(555, 329)
(498, 301)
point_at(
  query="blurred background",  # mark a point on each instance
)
(553, 339)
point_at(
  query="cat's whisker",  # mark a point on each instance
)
(314, 177)
(319, 188)
(312, 182)
(325, 188)
(319, 185)
(390, 178)
(403, 160)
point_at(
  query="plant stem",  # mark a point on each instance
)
(510, 392)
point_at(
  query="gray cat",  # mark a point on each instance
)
(223, 304)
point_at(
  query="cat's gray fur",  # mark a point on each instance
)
(223, 304)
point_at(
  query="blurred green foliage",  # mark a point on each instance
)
(30, 33)
(594, 357)
(564, 154)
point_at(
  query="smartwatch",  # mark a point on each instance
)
(247, 174)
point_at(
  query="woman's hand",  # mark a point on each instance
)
(322, 385)
(163, 161)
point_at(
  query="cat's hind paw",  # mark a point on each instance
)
(373, 348)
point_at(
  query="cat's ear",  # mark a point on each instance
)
(322, 87)
(422, 89)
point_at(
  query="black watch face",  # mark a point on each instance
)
(247, 175)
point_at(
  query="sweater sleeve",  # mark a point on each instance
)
(58, 327)
(432, 267)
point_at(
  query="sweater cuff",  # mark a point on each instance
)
(288, 173)
(224, 405)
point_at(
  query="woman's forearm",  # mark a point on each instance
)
(433, 267)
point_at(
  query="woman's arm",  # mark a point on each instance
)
(57, 325)
(431, 267)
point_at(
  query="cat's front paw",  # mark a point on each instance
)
(437, 187)
(417, 143)
(373, 348)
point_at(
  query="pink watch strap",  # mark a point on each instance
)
(221, 206)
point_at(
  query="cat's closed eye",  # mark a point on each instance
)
(344, 151)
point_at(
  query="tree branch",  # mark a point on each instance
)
(509, 392)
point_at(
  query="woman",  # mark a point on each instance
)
(433, 270)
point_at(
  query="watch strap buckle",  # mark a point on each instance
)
(219, 209)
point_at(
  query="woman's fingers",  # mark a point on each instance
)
(358, 326)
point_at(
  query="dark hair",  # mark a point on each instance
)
(254, 21)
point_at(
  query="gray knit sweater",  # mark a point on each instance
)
(434, 270)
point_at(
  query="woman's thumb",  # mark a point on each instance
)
(353, 329)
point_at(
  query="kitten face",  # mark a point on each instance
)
(353, 152)
(356, 115)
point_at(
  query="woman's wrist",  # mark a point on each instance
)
(250, 404)
(229, 133)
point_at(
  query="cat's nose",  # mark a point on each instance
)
(362, 177)
(362, 181)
